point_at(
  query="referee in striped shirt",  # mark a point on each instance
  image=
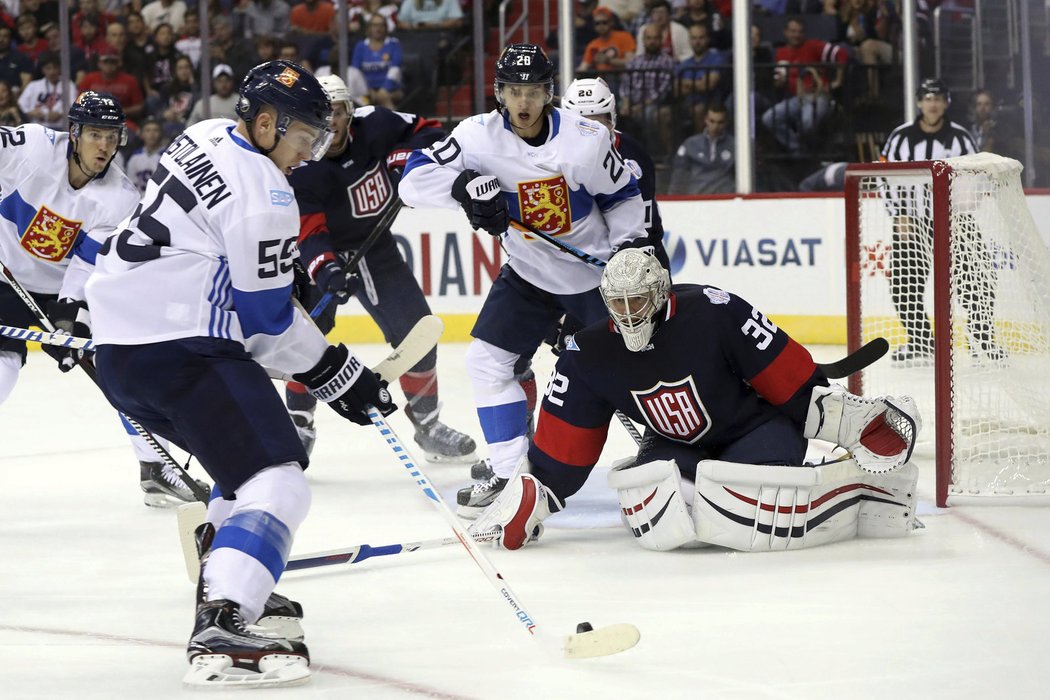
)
(933, 137)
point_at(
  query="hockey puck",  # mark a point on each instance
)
(583, 627)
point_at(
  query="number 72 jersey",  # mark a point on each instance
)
(208, 252)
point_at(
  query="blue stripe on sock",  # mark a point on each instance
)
(504, 422)
(258, 534)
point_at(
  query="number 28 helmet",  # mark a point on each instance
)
(524, 64)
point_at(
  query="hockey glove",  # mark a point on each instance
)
(643, 244)
(331, 277)
(483, 202)
(342, 381)
(70, 317)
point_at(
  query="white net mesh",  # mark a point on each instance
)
(999, 309)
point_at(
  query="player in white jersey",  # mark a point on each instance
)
(557, 171)
(61, 198)
(191, 301)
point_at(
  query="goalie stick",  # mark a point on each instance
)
(419, 341)
(865, 355)
(586, 643)
(381, 227)
(199, 493)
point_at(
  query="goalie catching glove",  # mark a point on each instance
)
(880, 432)
(70, 317)
(342, 381)
(483, 202)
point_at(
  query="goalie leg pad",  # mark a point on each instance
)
(880, 433)
(888, 509)
(652, 504)
(519, 511)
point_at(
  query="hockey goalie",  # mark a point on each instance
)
(730, 402)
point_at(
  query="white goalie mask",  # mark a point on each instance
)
(635, 287)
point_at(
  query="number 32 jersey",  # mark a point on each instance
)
(207, 253)
(715, 370)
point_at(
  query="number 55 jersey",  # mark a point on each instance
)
(208, 252)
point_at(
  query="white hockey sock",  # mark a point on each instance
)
(10, 365)
(501, 404)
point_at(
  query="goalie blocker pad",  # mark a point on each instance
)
(880, 433)
(757, 508)
(652, 505)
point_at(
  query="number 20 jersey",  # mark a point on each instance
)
(207, 253)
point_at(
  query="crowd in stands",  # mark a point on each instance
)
(668, 61)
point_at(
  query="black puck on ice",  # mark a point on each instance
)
(583, 627)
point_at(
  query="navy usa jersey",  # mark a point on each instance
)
(341, 199)
(715, 370)
(633, 152)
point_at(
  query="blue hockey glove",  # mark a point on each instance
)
(71, 317)
(342, 381)
(331, 277)
(483, 202)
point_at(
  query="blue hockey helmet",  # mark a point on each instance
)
(294, 93)
(97, 109)
(524, 64)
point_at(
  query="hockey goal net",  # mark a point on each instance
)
(945, 262)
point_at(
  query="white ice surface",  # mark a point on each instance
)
(94, 602)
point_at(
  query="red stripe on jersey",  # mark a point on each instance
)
(310, 224)
(785, 375)
(424, 123)
(567, 443)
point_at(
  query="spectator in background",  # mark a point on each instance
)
(289, 51)
(160, 12)
(866, 25)
(43, 11)
(831, 177)
(625, 10)
(223, 101)
(77, 62)
(430, 14)
(134, 61)
(189, 41)
(698, 12)
(10, 113)
(585, 30)
(255, 18)
(160, 64)
(30, 43)
(703, 77)
(646, 89)
(361, 12)
(982, 112)
(378, 57)
(41, 99)
(807, 87)
(144, 159)
(91, 10)
(311, 18)
(674, 38)
(15, 69)
(91, 43)
(110, 78)
(610, 50)
(706, 162)
(762, 62)
(266, 48)
(140, 39)
(235, 52)
(179, 97)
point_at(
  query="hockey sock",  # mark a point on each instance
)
(298, 398)
(501, 404)
(421, 390)
(10, 364)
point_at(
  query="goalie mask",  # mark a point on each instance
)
(635, 287)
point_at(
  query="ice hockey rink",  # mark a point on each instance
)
(95, 603)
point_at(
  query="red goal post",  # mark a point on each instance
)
(952, 244)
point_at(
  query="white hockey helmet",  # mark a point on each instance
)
(635, 287)
(336, 90)
(589, 97)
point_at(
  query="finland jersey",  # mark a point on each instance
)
(715, 370)
(575, 186)
(46, 226)
(208, 253)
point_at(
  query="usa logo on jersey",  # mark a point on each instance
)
(545, 205)
(370, 193)
(49, 236)
(674, 410)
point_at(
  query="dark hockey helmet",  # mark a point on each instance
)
(933, 86)
(294, 93)
(524, 64)
(97, 109)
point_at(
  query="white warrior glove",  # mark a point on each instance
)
(880, 432)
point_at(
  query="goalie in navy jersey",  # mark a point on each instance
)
(342, 198)
(729, 401)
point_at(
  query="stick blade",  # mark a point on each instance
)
(189, 516)
(419, 341)
(603, 641)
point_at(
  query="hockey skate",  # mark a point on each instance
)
(441, 443)
(481, 470)
(472, 500)
(226, 652)
(162, 487)
(304, 425)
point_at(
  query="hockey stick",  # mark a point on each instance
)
(865, 355)
(358, 553)
(60, 339)
(380, 228)
(419, 341)
(561, 245)
(199, 493)
(583, 644)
